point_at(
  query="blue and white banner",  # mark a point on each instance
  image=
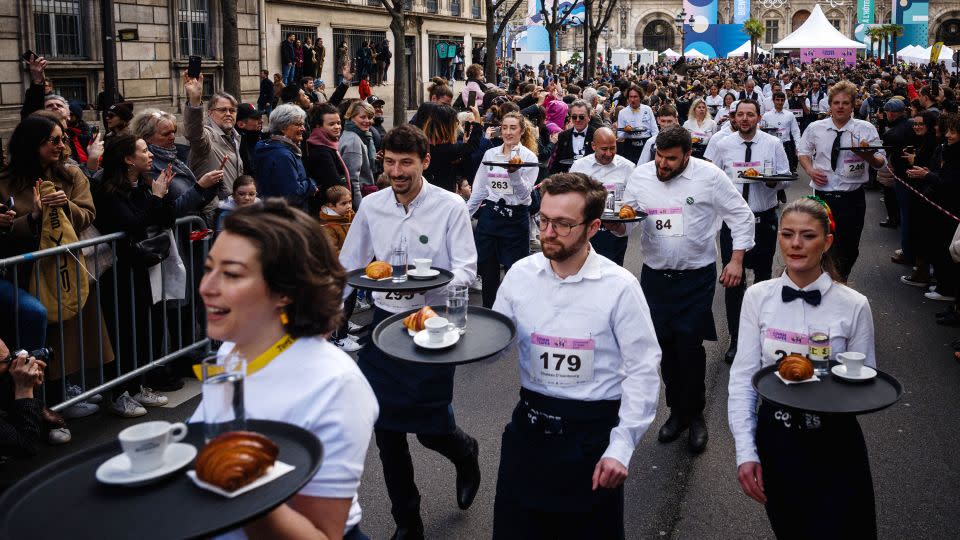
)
(741, 11)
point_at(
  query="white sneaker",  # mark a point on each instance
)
(362, 305)
(60, 435)
(353, 327)
(934, 295)
(148, 398)
(347, 344)
(78, 410)
(127, 407)
(477, 285)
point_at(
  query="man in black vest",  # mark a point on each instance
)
(749, 91)
(575, 142)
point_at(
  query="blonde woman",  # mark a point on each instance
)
(699, 123)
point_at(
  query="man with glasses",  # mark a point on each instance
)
(605, 166)
(214, 141)
(576, 142)
(588, 376)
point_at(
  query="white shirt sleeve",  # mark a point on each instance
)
(807, 145)
(742, 400)
(794, 128)
(734, 211)
(862, 339)
(461, 247)
(480, 188)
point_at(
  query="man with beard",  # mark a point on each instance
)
(604, 165)
(685, 199)
(588, 376)
(414, 398)
(747, 149)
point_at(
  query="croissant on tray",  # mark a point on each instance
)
(627, 212)
(795, 368)
(379, 270)
(415, 321)
(235, 459)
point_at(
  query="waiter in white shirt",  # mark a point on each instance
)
(612, 170)
(781, 451)
(750, 148)
(685, 199)
(635, 124)
(666, 116)
(588, 376)
(413, 398)
(838, 176)
(788, 130)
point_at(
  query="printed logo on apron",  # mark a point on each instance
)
(560, 361)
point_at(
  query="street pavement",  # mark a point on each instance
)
(671, 493)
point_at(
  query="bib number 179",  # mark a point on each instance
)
(569, 361)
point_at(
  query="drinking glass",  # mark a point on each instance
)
(223, 394)
(818, 340)
(458, 298)
(399, 262)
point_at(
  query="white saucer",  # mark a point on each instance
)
(116, 470)
(449, 339)
(433, 272)
(866, 373)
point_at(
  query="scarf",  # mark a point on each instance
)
(284, 140)
(366, 137)
(169, 155)
(319, 137)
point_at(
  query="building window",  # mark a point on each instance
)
(408, 5)
(432, 6)
(374, 3)
(57, 25)
(355, 40)
(772, 31)
(441, 67)
(476, 9)
(455, 8)
(194, 19)
(835, 23)
(301, 32)
(72, 88)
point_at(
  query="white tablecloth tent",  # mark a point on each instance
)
(694, 53)
(745, 48)
(670, 53)
(817, 33)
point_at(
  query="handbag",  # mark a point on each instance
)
(153, 249)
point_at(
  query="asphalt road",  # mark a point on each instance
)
(673, 494)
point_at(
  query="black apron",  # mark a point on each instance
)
(631, 149)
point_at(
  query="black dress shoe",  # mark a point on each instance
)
(731, 353)
(951, 319)
(413, 531)
(672, 428)
(697, 438)
(889, 224)
(468, 477)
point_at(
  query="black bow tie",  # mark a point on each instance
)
(581, 134)
(789, 294)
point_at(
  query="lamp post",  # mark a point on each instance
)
(680, 19)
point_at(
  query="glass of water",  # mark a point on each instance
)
(398, 259)
(222, 402)
(818, 340)
(458, 298)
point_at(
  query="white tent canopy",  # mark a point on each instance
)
(693, 53)
(670, 53)
(817, 33)
(745, 48)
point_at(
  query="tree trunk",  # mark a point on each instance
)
(399, 70)
(490, 66)
(231, 49)
(894, 48)
(594, 40)
(553, 46)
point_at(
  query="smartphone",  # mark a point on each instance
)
(29, 56)
(496, 133)
(472, 99)
(95, 132)
(193, 68)
(223, 162)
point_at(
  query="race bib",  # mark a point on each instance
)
(559, 361)
(744, 166)
(665, 221)
(797, 112)
(500, 183)
(698, 137)
(777, 344)
(853, 167)
(397, 301)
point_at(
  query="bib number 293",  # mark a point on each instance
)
(394, 295)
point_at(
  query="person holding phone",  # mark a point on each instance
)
(22, 424)
(439, 123)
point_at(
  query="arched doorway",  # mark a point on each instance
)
(949, 32)
(798, 19)
(657, 35)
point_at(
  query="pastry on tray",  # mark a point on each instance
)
(795, 368)
(626, 212)
(235, 459)
(751, 172)
(416, 320)
(379, 270)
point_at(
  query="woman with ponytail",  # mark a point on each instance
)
(788, 458)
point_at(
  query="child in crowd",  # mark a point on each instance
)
(336, 215)
(244, 194)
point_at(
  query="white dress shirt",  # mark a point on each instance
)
(646, 155)
(577, 142)
(641, 121)
(714, 101)
(817, 142)
(611, 174)
(816, 101)
(436, 226)
(603, 310)
(493, 183)
(785, 122)
(771, 328)
(684, 215)
(702, 131)
(729, 155)
(722, 132)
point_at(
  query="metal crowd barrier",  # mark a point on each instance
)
(197, 340)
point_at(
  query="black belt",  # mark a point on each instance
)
(555, 416)
(837, 194)
(503, 204)
(679, 274)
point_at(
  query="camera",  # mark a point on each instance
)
(42, 353)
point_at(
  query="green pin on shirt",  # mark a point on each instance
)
(689, 200)
(424, 239)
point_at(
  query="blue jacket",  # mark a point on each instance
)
(280, 173)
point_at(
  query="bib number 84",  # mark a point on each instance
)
(572, 361)
(663, 224)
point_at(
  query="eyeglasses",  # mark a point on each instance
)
(222, 110)
(578, 117)
(561, 228)
(60, 139)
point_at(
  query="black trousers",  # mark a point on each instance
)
(610, 246)
(503, 238)
(849, 209)
(759, 259)
(398, 466)
(790, 147)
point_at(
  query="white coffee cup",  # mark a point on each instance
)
(436, 328)
(852, 362)
(423, 265)
(144, 444)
